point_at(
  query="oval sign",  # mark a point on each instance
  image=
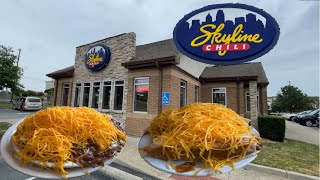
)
(97, 57)
(226, 34)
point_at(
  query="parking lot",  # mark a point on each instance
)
(302, 133)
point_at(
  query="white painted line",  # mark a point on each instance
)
(22, 113)
(31, 178)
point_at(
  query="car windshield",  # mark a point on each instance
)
(314, 112)
(34, 100)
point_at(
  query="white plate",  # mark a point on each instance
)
(9, 156)
(162, 165)
(66, 165)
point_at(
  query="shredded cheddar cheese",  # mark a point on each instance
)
(200, 132)
(50, 134)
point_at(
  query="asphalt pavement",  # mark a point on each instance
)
(302, 133)
(12, 116)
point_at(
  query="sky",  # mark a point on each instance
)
(48, 33)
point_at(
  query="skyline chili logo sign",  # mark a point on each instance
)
(97, 57)
(226, 34)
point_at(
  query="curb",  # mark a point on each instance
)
(118, 174)
(280, 172)
(120, 163)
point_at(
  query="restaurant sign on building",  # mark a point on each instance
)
(238, 34)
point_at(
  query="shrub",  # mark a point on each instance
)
(272, 127)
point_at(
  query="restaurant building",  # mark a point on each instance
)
(141, 81)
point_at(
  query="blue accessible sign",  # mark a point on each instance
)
(165, 98)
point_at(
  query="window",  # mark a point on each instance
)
(118, 95)
(141, 89)
(76, 101)
(106, 95)
(219, 96)
(85, 97)
(95, 94)
(196, 94)
(65, 94)
(248, 101)
(183, 93)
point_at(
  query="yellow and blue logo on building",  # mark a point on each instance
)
(226, 34)
(97, 57)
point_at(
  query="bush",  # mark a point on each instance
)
(272, 127)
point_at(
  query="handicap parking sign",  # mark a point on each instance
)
(165, 98)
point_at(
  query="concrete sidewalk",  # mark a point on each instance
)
(130, 156)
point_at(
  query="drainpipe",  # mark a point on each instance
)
(55, 92)
(160, 87)
(238, 96)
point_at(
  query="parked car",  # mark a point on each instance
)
(299, 116)
(288, 116)
(27, 103)
(310, 119)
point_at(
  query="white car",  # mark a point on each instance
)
(288, 116)
(27, 103)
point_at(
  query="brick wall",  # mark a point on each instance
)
(137, 122)
(58, 90)
(231, 90)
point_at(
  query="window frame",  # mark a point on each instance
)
(247, 93)
(111, 95)
(114, 95)
(62, 93)
(225, 96)
(79, 94)
(196, 93)
(91, 94)
(134, 92)
(82, 93)
(185, 87)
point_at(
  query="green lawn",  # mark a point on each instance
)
(4, 126)
(290, 155)
(5, 105)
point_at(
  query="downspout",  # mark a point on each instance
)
(238, 96)
(160, 87)
(55, 92)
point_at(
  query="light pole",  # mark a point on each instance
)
(15, 80)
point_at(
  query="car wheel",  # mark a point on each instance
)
(290, 119)
(309, 123)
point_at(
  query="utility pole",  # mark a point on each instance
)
(17, 66)
(18, 57)
(289, 83)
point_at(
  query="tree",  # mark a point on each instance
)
(290, 99)
(10, 74)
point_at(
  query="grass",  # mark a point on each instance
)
(5, 105)
(4, 125)
(290, 155)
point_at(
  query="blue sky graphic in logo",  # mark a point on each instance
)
(226, 34)
(97, 57)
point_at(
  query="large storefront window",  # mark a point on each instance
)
(85, 97)
(248, 101)
(183, 93)
(95, 94)
(141, 89)
(76, 102)
(106, 96)
(118, 95)
(65, 94)
(219, 96)
(196, 94)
